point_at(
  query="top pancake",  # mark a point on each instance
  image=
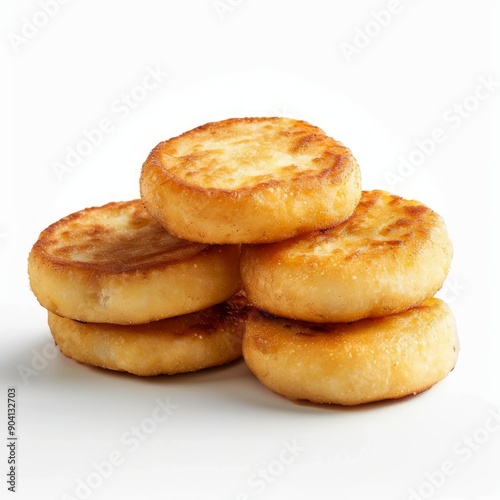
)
(240, 153)
(115, 264)
(389, 256)
(250, 180)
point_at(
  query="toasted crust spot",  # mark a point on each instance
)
(390, 255)
(185, 343)
(116, 264)
(353, 363)
(250, 180)
(120, 236)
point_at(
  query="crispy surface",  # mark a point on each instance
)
(392, 254)
(116, 264)
(353, 363)
(250, 180)
(176, 345)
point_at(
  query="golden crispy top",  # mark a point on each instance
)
(118, 236)
(244, 152)
(381, 223)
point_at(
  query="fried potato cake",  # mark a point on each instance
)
(186, 343)
(391, 255)
(353, 363)
(250, 180)
(116, 264)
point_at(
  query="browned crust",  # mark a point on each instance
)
(115, 264)
(390, 255)
(414, 223)
(99, 234)
(186, 343)
(258, 211)
(338, 159)
(353, 363)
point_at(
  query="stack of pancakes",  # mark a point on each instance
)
(255, 229)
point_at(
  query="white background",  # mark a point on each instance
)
(254, 57)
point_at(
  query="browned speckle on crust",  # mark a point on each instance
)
(390, 255)
(219, 175)
(181, 344)
(117, 237)
(116, 264)
(353, 363)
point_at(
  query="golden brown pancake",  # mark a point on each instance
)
(353, 363)
(391, 255)
(116, 264)
(175, 345)
(250, 180)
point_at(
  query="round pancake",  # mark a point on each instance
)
(175, 345)
(391, 255)
(353, 363)
(116, 264)
(250, 180)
